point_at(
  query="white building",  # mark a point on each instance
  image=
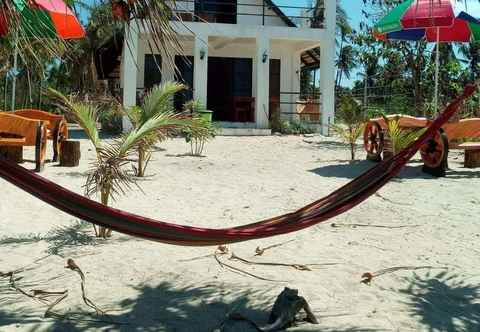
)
(244, 64)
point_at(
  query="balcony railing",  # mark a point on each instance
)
(233, 12)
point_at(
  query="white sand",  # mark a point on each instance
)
(148, 286)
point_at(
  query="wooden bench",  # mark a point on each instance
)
(57, 129)
(472, 154)
(20, 131)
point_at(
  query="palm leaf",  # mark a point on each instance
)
(160, 99)
(85, 114)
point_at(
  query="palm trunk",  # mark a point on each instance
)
(105, 196)
(141, 162)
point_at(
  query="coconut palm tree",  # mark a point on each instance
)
(108, 175)
(346, 63)
(471, 53)
(158, 102)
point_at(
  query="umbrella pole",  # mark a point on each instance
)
(14, 79)
(437, 65)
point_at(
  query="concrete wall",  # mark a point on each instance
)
(248, 41)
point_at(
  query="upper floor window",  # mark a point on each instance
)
(216, 11)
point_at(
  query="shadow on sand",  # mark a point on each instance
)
(353, 169)
(168, 307)
(60, 239)
(444, 302)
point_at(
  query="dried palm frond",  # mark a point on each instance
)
(109, 174)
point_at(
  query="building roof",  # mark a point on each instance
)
(310, 58)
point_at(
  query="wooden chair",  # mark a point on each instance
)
(274, 108)
(57, 129)
(19, 131)
(243, 109)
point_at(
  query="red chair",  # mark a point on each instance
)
(243, 109)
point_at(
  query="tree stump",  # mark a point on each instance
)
(12, 153)
(472, 154)
(472, 158)
(70, 153)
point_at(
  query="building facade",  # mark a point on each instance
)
(243, 59)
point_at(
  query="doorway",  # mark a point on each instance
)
(229, 89)
(184, 75)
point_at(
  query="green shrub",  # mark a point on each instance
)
(350, 118)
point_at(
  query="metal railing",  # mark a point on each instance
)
(214, 11)
(299, 106)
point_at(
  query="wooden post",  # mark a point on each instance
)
(472, 154)
(12, 153)
(70, 153)
(472, 158)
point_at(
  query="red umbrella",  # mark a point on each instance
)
(39, 19)
(43, 18)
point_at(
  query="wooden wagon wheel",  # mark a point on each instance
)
(373, 141)
(435, 154)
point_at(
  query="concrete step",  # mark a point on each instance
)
(244, 132)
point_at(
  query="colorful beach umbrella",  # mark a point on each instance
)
(414, 14)
(43, 19)
(38, 19)
(433, 20)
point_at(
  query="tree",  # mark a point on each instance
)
(157, 104)
(349, 122)
(109, 175)
(346, 63)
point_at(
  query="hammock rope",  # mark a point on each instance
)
(323, 209)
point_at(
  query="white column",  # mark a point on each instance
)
(287, 77)
(129, 77)
(263, 82)
(200, 68)
(327, 68)
(296, 86)
(331, 15)
(327, 86)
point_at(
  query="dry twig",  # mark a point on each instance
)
(74, 267)
(300, 267)
(240, 271)
(335, 225)
(367, 277)
(260, 251)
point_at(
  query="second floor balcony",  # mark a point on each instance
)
(251, 12)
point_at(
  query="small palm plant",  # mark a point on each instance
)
(198, 139)
(158, 104)
(351, 122)
(109, 175)
(400, 137)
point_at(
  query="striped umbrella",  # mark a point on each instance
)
(38, 19)
(43, 19)
(433, 20)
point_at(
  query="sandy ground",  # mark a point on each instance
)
(147, 286)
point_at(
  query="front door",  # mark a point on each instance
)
(228, 78)
(274, 89)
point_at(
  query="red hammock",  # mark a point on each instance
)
(330, 206)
